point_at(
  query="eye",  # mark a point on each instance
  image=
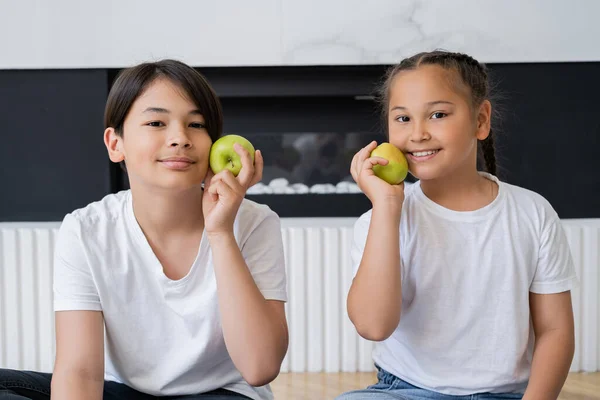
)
(402, 118)
(437, 115)
(197, 125)
(155, 124)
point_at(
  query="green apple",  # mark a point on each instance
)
(395, 171)
(223, 156)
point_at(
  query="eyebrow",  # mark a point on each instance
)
(431, 103)
(165, 111)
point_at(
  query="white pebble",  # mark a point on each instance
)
(300, 188)
(279, 182)
(353, 188)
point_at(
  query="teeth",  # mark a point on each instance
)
(424, 153)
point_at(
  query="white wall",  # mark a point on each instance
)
(117, 33)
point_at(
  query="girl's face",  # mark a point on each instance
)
(165, 143)
(432, 121)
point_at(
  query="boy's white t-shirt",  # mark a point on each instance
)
(466, 277)
(162, 337)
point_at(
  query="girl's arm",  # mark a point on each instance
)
(79, 365)
(255, 329)
(375, 297)
(552, 316)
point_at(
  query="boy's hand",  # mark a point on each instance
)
(223, 193)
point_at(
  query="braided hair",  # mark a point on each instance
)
(473, 74)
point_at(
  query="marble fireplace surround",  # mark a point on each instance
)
(115, 34)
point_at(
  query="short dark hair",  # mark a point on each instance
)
(132, 82)
(471, 73)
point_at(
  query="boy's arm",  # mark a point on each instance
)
(552, 316)
(255, 329)
(79, 366)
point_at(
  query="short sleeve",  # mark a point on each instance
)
(74, 287)
(263, 253)
(555, 271)
(361, 230)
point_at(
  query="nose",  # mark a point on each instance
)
(179, 139)
(419, 132)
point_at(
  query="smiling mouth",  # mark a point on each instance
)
(177, 163)
(423, 153)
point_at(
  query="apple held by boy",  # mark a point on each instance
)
(223, 155)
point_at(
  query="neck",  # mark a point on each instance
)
(167, 211)
(461, 190)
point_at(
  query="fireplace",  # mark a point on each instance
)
(308, 123)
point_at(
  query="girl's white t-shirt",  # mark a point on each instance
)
(465, 326)
(162, 336)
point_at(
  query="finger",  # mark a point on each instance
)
(247, 171)
(365, 152)
(226, 191)
(207, 179)
(214, 179)
(234, 184)
(222, 190)
(259, 164)
(367, 166)
(372, 161)
(353, 164)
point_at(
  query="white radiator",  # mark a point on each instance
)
(319, 275)
(26, 315)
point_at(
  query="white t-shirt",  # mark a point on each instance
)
(466, 276)
(162, 337)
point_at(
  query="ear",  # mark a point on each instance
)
(484, 120)
(114, 145)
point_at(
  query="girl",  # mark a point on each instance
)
(167, 289)
(450, 273)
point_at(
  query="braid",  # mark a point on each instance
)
(487, 146)
(489, 153)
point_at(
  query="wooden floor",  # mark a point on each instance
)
(321, 386)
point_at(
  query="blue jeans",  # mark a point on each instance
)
(390, 387)
(22, 385)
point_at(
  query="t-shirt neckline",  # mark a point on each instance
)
(465, 216)
(149, 253)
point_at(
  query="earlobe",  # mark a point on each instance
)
(484, 120)
(114, 145)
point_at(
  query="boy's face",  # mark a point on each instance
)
(165, 143)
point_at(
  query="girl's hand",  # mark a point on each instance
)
(376, 189)
(223, 193)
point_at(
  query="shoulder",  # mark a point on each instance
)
(529, 205)
(252, 215)
(104, 212)
(92, 226)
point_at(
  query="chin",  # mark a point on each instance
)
(426, 174)
(184, 185)
(176, 184)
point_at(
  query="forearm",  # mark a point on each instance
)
(76, 385)
(256, 339)
(375, 297)
(552, 359)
